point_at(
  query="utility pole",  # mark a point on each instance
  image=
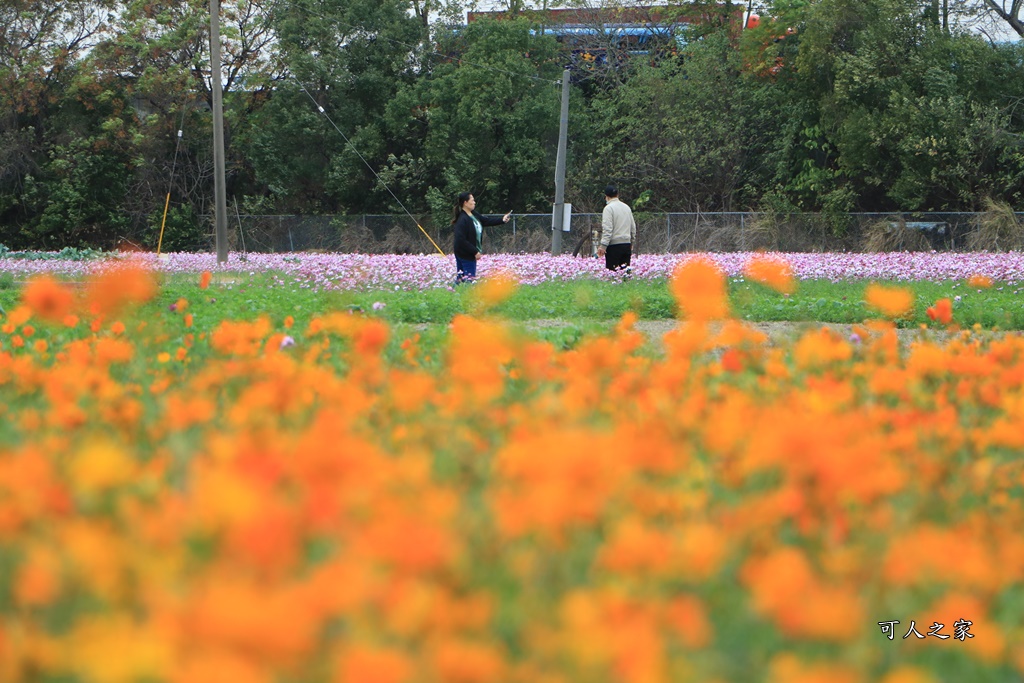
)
(219, 191)
(558, 212)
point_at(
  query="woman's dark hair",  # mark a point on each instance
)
(462, 199)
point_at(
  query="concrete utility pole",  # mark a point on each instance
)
(558, 212)
(219, 191)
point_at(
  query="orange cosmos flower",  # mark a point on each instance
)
(688, 619)
(463, 661)
(101, 465)
(892, 302)
(47, 298)
(771, 272)
(732, 360)
(941, 312)
(965, 619)
(19, 316)
(38, 579)
(374, 665)
(788, 668)
(979, 281)
(217, 665)
(908, 674)
(371, 338)
(119, 286)
(698, 286)
(204, 279)
(494, 289)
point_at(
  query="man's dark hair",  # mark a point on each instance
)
(611, 191)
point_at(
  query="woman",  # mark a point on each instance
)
(468, 231)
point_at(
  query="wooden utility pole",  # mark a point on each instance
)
(219, 191)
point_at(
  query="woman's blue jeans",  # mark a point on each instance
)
(466, 269)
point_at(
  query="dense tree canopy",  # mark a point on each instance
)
(367, 106)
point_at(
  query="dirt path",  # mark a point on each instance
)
(777, 332)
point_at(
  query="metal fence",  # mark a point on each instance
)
(656, 233)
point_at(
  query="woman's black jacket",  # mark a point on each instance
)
(465, 234)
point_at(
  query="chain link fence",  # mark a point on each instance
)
(657, 233)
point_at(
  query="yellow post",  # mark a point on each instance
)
(430, 238)
(160, 242)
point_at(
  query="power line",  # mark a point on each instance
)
(174, 165)
(363, 159)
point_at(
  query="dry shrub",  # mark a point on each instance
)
(997, 229)
(724, 235)
(399, 241)
(356, 238)
(894, 235)
(539, 241)
(762, 231)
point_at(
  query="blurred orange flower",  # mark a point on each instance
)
(462, 661)
(771, 272)
(941, 312)
(121, 285)
(698, 286)
(979, 281)
(362, 664)
(494, 289)
(48, 299)
(892, 302)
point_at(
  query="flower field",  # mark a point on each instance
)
(369, 272)
(266, 501)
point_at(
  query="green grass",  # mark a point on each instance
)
(578, 304)
(589, 301)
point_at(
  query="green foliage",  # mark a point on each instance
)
(691, 134)
(183, 230)
(483, 120)
(587, 303)
(76, 193)
(893, 113)
(559, 312)
(65, 254)
(829, 106)
(349, 58)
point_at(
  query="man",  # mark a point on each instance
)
(618, 231)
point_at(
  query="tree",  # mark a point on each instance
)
(483, 119)
(896, 113)
(990, 16)
(688, 133)
(40, 44)
(160, 55)
(349, 58)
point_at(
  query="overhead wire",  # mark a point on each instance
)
(170, 185)
(367, 163)
(409, 46)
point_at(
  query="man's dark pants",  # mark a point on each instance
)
(617, 256)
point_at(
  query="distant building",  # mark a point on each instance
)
(604, 34)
